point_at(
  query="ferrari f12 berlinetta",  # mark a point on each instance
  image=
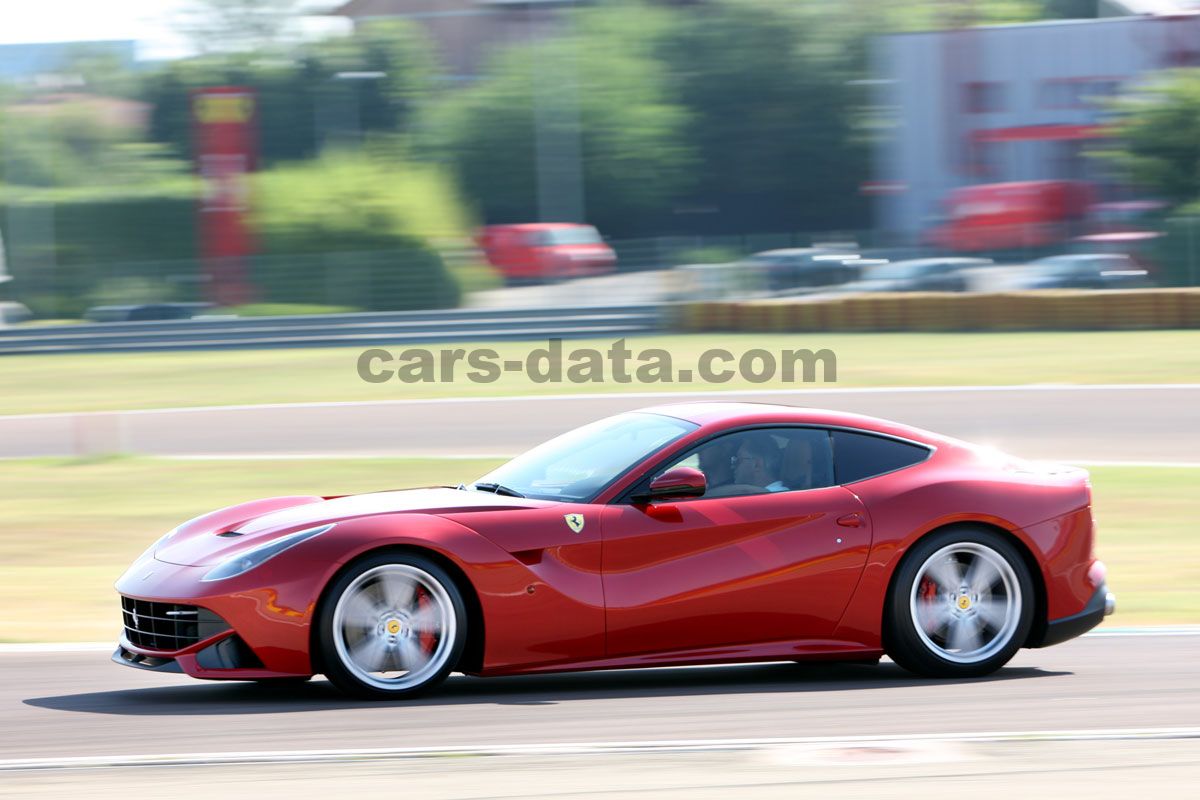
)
(681, 534)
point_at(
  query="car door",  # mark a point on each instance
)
(731, 570)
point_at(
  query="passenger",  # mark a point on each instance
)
(797, 468)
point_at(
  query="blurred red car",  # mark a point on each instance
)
(681, 534)
(1006, 216)
(546, 251)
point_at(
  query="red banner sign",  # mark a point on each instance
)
(225, 129)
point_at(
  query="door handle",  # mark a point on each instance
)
(854, 520)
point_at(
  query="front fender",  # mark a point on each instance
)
(533, 614)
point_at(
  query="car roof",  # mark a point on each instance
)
(1082, 256)
(802, 251)
(718, 415)
(538, 226)
(920, 262)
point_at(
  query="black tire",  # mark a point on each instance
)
(337, 663)
(920, 650)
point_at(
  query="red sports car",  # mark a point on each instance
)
(681, 534)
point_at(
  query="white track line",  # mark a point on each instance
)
(1149, 464)
(1025, 387)
(583, 748)
(15, 648)
(399, 456)
(351, 456)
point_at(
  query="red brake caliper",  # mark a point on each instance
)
(427, 639)
(928, 593)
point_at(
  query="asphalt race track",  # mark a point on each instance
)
(80, 704)
(1085, 424)
(1109, 716)
(1130, 701)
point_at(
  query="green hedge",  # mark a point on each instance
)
(405, 276)
(349, 229)
(67, 255)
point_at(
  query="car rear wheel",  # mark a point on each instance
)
(391, 627)
(961, 604)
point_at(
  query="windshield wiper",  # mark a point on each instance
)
(497, 488)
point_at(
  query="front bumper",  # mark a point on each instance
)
(222, 657)
(1102, 604)
(266, 616)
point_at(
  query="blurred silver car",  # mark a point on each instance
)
(806, 267)
(1085, 271)
(918, 275)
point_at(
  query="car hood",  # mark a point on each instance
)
(199, 542)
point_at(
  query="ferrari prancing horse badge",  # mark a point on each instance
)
(574, 522)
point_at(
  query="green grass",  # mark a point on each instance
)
(33, 384)
(72, 526)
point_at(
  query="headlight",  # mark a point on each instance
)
(249, 559)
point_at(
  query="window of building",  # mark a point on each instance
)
(1076, 92)
(983, 97)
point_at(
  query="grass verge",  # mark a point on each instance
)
(72, 526)
(99, 382)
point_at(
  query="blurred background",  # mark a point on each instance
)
(299, 156)
(988, 209)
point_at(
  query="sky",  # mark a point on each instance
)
(146, 21)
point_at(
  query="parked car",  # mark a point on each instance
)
(1085, 271)
(546, 251)
(1019, 214)
(918, 275)
(802, 267)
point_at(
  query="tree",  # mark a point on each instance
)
(771, 120)
(371, 82)
(601, 94)
(1155, 136)
(237, 25)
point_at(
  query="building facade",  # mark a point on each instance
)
(1006, 103)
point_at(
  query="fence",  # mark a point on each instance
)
(1048, 310)
(418, 278)
(391, 280)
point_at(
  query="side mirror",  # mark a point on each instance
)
(676, 483)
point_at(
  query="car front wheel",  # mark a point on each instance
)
(961, 605)
(391, 627)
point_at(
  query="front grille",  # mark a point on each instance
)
(167, 626)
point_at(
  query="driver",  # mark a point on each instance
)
(757, 463)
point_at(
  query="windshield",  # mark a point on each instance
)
(1062, 266)
(577, 465)
(584, 234)
(899, 270)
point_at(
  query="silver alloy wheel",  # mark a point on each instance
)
(966, 602)
(394, 627)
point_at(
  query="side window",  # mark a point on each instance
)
(764, 460)
(862, 455)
